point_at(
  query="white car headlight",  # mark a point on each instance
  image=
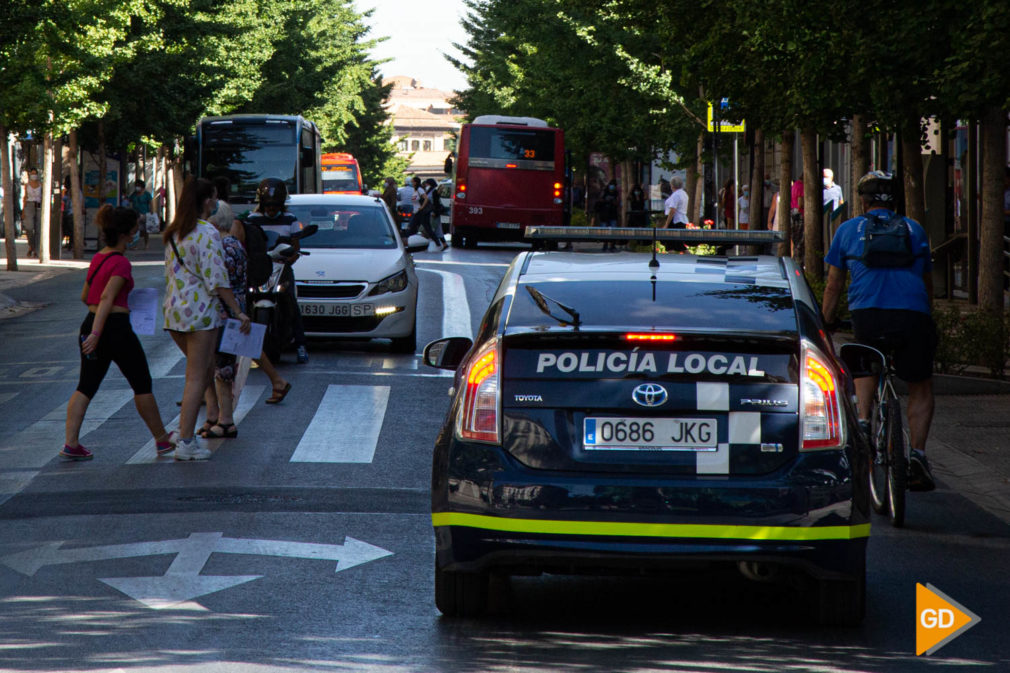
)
(395, 283)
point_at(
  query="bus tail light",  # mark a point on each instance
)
(820, 403)
(479, 417)
(460, 190)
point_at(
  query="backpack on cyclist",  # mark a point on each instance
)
(258, 265)
(887, 242)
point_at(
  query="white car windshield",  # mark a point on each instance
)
(343, 226)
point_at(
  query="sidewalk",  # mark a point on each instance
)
(30, 270)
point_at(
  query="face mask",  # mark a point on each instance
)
(33, 177)
(216, 206)
(827, 182)
(139, 189)
(136, 237)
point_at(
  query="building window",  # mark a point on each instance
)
(415, 145)
(402, 145)
(427, 145)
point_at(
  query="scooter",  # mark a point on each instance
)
(271, 303)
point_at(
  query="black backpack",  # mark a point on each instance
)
(887, 242)
(436, 203)
(258, 265)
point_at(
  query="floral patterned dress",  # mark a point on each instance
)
(235, 262)
(189, 303)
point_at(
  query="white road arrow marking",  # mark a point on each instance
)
(182, 581)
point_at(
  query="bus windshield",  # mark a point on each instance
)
(495, 147)
(340, 179)
(248, 153)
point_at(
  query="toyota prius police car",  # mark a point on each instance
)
(636, 412)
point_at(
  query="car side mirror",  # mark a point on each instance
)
(862, 360)
(447, 353)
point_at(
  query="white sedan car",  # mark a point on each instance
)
(358, 280)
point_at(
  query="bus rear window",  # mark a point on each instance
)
(497, 145)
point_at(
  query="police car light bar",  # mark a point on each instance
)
(686, 236)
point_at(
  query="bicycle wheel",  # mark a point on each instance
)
(897, 459)
(878, 458)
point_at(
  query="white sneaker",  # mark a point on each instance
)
(191, 450)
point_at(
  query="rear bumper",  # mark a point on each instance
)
(492, 513)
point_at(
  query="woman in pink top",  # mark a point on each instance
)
(106, 335)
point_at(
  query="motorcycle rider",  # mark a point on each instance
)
(270, 215)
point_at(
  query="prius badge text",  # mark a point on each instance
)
(649, 395)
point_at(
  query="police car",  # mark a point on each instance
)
(639, 412)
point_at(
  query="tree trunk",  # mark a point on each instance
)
(990, 262)
(813, 198)
(8, 201)
(76, 197)
(103, 171)
(692, 177)
(625, 186)
(47, 198)
(757, 181)
(785, 190)
(911, 154)
(56, 221)
(859, 147)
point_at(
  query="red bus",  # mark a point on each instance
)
(341, 174)
(509, 175)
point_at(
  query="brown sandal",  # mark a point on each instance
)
(279, 395)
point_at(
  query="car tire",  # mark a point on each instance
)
(841, 602)
(460, 594)
(405, 344)
(470, 242)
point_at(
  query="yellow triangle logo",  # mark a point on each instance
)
(938, 619)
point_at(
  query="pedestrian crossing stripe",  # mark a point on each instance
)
(659, 530)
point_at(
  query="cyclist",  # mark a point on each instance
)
(271, 196)
(892, 301)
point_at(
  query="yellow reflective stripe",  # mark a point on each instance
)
(668, 530)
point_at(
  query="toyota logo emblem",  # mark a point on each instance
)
(649, 395)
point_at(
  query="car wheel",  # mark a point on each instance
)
(459, 594)
(841, 602)
(457, 240)
(470, 242)
(406, 344)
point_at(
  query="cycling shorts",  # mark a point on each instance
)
(913, 334)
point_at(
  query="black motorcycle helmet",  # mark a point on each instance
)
(271, 192)
(878, 185)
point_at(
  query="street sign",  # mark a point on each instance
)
(183, 582)
(724, 126)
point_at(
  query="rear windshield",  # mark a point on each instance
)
(493, 146)
(677, 305)
(343, 227)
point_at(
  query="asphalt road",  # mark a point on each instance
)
(283, 555)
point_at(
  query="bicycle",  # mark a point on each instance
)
(890, 449)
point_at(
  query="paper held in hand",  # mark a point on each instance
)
(143, 302)
(249, 345)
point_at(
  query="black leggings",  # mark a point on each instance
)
(117, 344)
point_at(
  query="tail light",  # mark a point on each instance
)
(479, 417)
(460, 190)
(820, 403)
(557, 189)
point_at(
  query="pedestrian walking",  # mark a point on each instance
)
(430, 213)
(31, 212)
(196, 280)
(727, 202)
(606, 209)
(106, 335)
(142, 202)
(676, 206)
(389, 196)
(833, 193)
(638, 214)
(796, 224)
(220, 420)
(743, 204)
